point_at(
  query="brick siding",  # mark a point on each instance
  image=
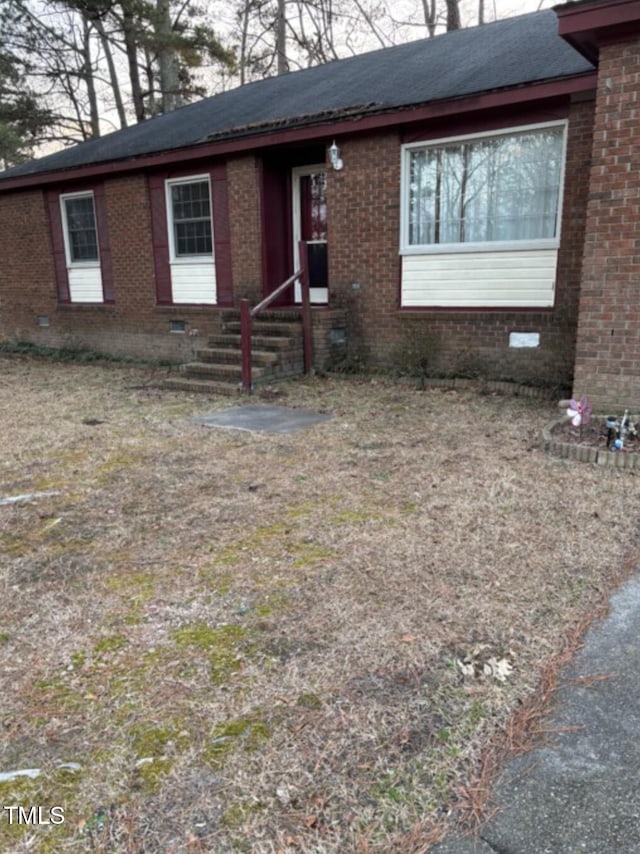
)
(246, 227)
(364, 222)
(608, 340)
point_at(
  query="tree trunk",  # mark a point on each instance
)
(429, 10)
(167, 60)
(113, 75)
(90, 83)
(281, 39)
(453, 15)
(130, 43)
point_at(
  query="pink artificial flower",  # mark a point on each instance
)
(579, 412)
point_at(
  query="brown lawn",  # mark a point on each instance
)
(221, 641)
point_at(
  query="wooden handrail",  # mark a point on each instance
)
(270, 297)
(247, 314)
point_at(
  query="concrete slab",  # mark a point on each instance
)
(579, 791)
(258, 419)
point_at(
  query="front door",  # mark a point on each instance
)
(309, 204)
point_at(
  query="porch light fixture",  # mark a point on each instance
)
(334, 157)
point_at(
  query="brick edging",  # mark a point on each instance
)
(584, 454)
(499, 386)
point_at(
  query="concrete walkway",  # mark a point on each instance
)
(579, 793)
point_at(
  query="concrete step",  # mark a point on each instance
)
(217, 371)
(259, 342)
(285, 315)
(232, 355)
(263, 328)
(226, 389)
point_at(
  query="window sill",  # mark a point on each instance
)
(461, 248)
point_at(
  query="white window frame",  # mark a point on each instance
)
(84, 194)
(174, 258)
(490, 246)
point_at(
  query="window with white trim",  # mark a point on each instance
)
(499, 188)
(191, 244)
(82, 247)
(189, 205)
(480, 219)
(80, 230)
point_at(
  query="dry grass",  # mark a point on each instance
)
(250, 642)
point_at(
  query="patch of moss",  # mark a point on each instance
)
(78, 658)
(309, 701)
(139, 586)
(155, 748)
(224, 646)
(112, 643)
(122, 460)
(278, 602)
(248, 732)
(14, 545)
(354, 517)
(237, 814)
(57, 699)
(307, 553)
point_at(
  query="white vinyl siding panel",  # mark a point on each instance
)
(85, 284)
(194, 283)
(518, 279)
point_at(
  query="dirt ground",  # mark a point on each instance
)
(220, 641)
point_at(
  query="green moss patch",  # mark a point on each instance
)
(225, 646)
(248, 732)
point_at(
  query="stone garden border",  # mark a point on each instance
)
(571, 451)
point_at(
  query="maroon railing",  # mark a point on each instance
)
(247, 314)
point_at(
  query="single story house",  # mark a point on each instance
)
(470, 202)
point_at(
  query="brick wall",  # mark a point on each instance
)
(27, 280)
(246, 228)
(133, 325)
(608, 343)
(364, 225)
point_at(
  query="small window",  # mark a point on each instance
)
(190, 213)
(80, 228)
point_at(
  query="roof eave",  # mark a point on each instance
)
(588, 24)
(367, 120)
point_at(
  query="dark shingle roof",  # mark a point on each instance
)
(511, 52)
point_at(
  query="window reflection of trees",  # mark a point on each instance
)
(318, 206)
(501, 188)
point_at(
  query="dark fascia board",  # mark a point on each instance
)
(586, 24)
(326, 130)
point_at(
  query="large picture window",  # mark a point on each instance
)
(480, 221)
(500, 188)
(190, 212)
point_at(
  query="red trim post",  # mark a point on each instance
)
(245, 344)
(306, 307)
